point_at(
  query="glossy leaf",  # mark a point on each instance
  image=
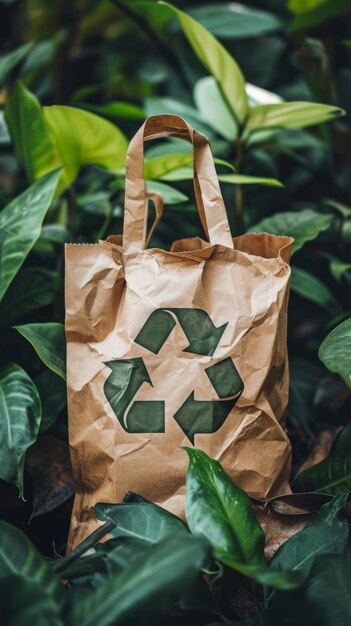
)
(233, 20)
(242, 179)
(326, 533)
(140, 520)
(217, 61)
(335, 351)
(214, 109)
(33, 288)
(170, 195)
(53, 395)
(333, 475)
(219, 510)
(20, 414)
(310, 287)
(302, 226)
(291, 115)
(20, 224)
(48, 340)
(150, 587)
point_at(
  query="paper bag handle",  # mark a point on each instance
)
(209, 198)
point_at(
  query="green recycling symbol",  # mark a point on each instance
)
(193, 416)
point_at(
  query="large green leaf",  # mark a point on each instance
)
(83, 138)
(170, 195)
(327, 533)
(335, 351)
(20, 414)
(302, 226)
(48, 340)
(149, 587)
(49, 137)
(310, 287)
(33, 288)
(140, 519)
(219, 510)
(214, 109)
(324, 600)
(291, 115)
(217, 61)
(186, 173)
(333, 475)
(22, 568)
(20, 224)
(9, 61)
(233, 20)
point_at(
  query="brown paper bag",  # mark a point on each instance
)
(179, 348)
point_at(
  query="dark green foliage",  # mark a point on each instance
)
(268, 83)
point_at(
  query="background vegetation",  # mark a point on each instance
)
(269, 83)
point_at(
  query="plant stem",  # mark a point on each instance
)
(83, 547)
(238, 189)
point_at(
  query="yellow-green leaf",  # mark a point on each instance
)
(291, 115)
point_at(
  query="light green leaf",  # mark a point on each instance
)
(310, 287)
(140, 519)
(48, 340)
(291, 115)
(33, 288)
(20, 225)
(20, 415)
(9, 61)
(160, 165)
(217, 61)
(50, 137)
(118, 110)
(333, 475)
(335, 351)
(82, 138)
(242, 179)
(233, 20)
(303, 226)
(169, 194)
(212, 106)
(219, 510)
(150, 586)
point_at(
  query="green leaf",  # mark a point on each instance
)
(50, 137)
(82, 138)
(333, 475)
(24, 601)
(169, 194)
(33, 144)
(303, 226)
(212, 106)
(243, 179)
(20, 224)
(20, 558)
(53, 396)
(20, 414)
(339, 268)
(233, 20)
(33, 288)
(310, 287)
(324, 600)
(118, 110)
(217, 61)
(327, 533)
(48, 340)
(140, 519)
(335, 351)
(219, 510)
(160, 165)
(291, 115)
(149, 587)
(9, 61)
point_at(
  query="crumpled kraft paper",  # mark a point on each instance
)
(179, 348)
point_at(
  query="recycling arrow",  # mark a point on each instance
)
(207, 416)
(203, 336)
(125, 380)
